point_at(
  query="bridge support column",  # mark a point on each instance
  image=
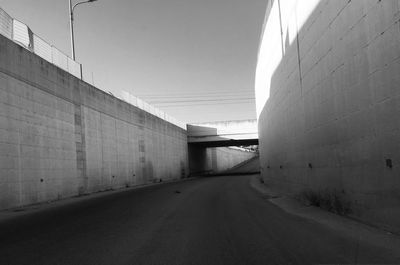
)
(197, 159)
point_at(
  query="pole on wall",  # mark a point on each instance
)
(71, 22)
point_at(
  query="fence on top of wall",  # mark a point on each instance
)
(21, 34)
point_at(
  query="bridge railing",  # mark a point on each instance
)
(21, 34)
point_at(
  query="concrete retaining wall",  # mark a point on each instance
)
(328, 100)
(251, 166)
(61, 137)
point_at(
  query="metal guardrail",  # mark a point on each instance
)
(21, 34)
(6, 24)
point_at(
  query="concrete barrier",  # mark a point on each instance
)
(328, 102)
(61, 137)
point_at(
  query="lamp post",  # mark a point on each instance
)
(71, 12)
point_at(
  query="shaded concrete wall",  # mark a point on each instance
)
(60, 137)
(215, 159)
(328, 101)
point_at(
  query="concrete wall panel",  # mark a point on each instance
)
(61, 137)
(328, 101)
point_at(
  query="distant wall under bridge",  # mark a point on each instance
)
(209, 145)
(61, 137)
(213, 160)
(328, 102)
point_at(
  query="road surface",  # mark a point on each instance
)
(216, 220)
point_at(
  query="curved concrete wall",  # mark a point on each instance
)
(328, 101)
(61, 137)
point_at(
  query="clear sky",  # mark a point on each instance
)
(194, 59)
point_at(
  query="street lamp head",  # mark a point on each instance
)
(71, 10)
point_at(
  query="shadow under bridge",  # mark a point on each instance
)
(209, 142)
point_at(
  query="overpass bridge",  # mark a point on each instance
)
(204, 138)
(223, 133)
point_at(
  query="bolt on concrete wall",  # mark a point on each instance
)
(61, 137)
(328, 101)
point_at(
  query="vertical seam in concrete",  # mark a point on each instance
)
(298, 56)
(80, 147)
(83, 136)
(280, 23)
(115, 175)
(102, 152)
(19, 163)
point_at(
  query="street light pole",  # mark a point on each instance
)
(71, 20)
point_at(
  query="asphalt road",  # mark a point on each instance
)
(217, 220)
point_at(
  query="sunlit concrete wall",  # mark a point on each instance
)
(60, 137)
(223, 158)
(328, 101)
(216, 159)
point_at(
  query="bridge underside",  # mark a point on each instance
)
(225, 143)
(207, 156)
(208, 144)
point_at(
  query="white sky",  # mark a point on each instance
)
(201, 53)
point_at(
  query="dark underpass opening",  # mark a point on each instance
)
(214, 159)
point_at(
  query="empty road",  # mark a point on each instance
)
(218, 220)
